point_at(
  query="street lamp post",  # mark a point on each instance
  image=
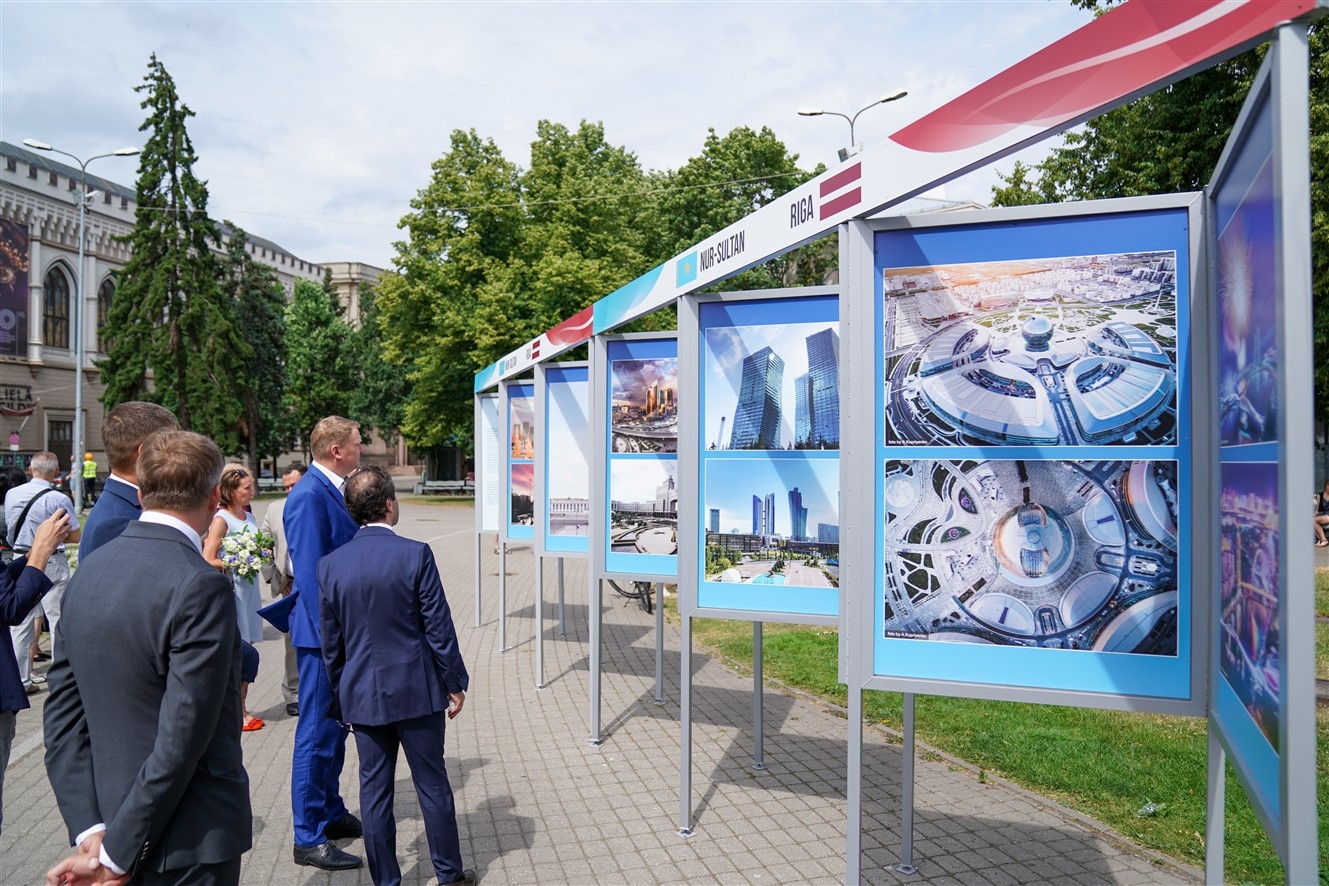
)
(76, 476)
(854, 146)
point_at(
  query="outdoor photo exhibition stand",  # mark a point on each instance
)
(562, 482)
(489, 482)
(634, 483)
(517, 405)
(758, 461)
(1261, 702)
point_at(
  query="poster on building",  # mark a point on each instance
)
(642, 463)
(769, 455)
(489, 455)
(13, 288)
(567, 468)
(1050, 557)
(521, 459)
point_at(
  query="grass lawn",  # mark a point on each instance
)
(1142, 774)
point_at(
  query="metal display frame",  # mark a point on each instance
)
(691, 531)
(505, 523)
(487, 448)
(1282, 789)
(544, 452)
(599, 571)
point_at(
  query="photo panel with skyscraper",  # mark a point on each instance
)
(521, 511)
(1034, 553)
(772, 521)
(643, 505)
(644, 412)
(771, 374)
(521, 420)
(568, 477)
(1073, 350)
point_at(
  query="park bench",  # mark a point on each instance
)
(444, 487)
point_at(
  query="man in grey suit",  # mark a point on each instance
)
(279, 576)
(142, 725)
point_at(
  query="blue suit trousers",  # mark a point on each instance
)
(320, 752)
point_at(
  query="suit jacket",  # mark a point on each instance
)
(143, 719)
(388, 638)
(275, 574)
(115, 509)
(317, 523)
(20, 589)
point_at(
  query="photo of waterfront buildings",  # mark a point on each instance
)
(1077, 350)
(568, 478)
(643, 505)
(644, 414)
(1078, 555)
(1249, 586)
(772, 387)
(521, 421)
(522, 508)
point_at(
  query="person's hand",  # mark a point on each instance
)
(456, 699)
(84, 868)
(50, 533)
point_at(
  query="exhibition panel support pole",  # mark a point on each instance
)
(1215, 811)
(659, 643)
(562, 625)
(854, 788)
(502, 597)
(906, 865)
(539, 610)
(758, 706)
(685, 729)
(596, 618)
(479, 566)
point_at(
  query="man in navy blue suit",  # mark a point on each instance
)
(317, 523)
(123, 432)
(396, 670)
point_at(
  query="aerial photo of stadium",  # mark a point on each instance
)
(1077, 350)
(1075, 555)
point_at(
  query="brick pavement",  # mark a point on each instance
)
(537, 804)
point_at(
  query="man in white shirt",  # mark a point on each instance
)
(26, 508)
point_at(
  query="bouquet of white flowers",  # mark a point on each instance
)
(245, 553)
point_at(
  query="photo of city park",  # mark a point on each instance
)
(772, 521)
(568, 481)
(1053, 554)
(522, 508)
(643, 505)
(1248, 313)
(1249, 588)
(644, 414)
(521, 419)
(772, 387)
(1052, 351)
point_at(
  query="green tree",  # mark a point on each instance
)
(259, 306)
(169, 317)
(318, 376)
(381, 388)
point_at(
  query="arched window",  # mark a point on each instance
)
(105, 293)
(55, 310)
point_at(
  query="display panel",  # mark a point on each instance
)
(769, 455)
(642, 463)
(489, 449)
(521, 460)
(567, 459)
(1049, 557)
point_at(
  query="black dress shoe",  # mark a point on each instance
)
(345, 828)
(467, 876)
(293, 710)
(328, 857)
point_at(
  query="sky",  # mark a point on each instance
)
(316, 122)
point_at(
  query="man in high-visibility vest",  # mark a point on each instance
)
(89, 480)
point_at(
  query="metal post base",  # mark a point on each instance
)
(686, 833)
(595, 742)
(906, 869)
(759, 767)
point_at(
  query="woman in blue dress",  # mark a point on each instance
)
(233, 518)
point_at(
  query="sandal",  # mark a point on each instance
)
(253, 724)
(1321, 544)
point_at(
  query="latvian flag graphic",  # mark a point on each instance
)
(843, 191)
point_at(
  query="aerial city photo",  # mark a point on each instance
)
(773, 521)
(772, 387)
(644, 417)
(568, 482)
(521, 419)
(1077, 555)
(1249, 588)
(643, 505)
(1075, 350)
(523, 494)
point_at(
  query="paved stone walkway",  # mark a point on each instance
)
(537, 804)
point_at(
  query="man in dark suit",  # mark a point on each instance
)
(142, 726)
(317, 523)
(123, 432)
(395, 670)
(23, 581)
